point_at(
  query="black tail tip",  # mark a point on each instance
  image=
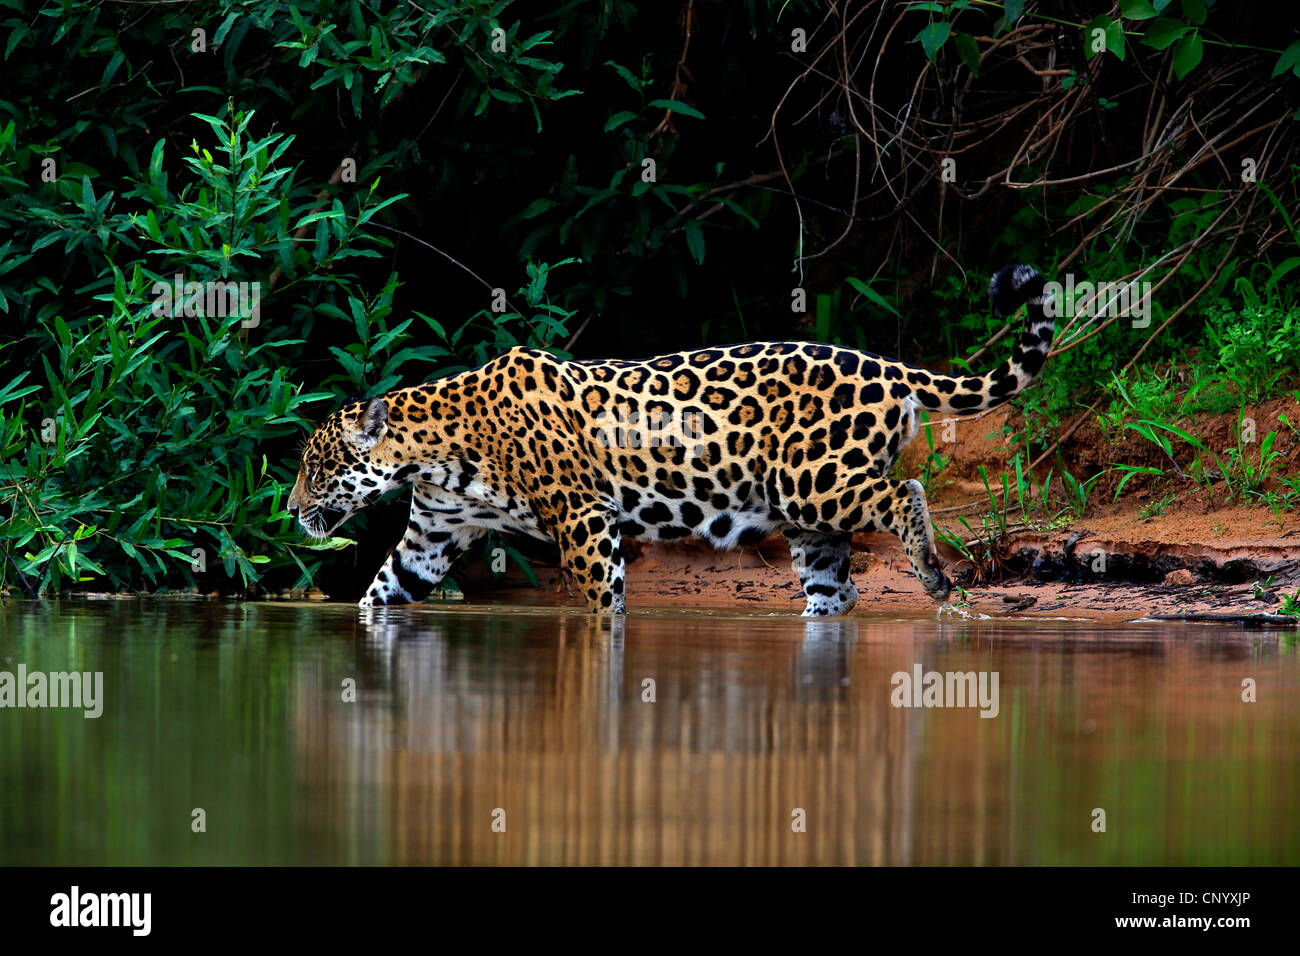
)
(1012, 286)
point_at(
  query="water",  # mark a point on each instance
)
(462, 714)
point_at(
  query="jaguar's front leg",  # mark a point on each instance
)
(420, 561)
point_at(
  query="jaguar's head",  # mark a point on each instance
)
(344, 467)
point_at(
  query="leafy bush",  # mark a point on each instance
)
(1256, 346)
(135, 438)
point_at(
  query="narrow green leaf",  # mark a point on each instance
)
(675, 106)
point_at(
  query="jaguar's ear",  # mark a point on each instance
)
(372, 425)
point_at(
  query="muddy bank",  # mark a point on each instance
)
(760, 579)
(1082, 556)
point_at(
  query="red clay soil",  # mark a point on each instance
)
(1194, 517)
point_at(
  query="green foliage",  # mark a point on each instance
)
(1244, 468)
(935, 461)
(1076, 490)
(1148, 392)
(1157, 507)
(985, 548)
(1256, 346)
(133, 452)
(1247, 469)
(1290, 605)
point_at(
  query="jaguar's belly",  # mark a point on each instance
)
(656, 517)
(476, 508)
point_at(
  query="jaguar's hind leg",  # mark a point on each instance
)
(822, 562)
(898, 507)
(589, 544)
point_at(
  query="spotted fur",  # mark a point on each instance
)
(788, 436)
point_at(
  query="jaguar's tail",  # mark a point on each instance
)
(1012, 287)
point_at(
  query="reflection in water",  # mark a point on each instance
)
(323, 734)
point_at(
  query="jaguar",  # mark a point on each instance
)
(727, 445)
